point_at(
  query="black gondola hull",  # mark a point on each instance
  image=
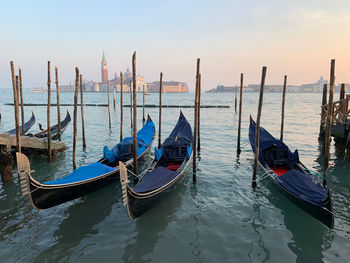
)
(43, 198)
(323, 214)
(140, 204)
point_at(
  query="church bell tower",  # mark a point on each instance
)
(104, 69)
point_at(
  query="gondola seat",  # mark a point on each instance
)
(155, 179)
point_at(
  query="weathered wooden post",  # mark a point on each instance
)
(82, 111)
(48, 111)
(6, 164)
(240, 115)
(58, 104)
(131, 91)
(195, 133)
(342, 91)
(109, 108)
(324, 102)
(76, 91)
(136, 171)
(15, 100)
(324, 95)
(121, 106)
(257, 131)
(21, 97)
(329, 121)
(283, 103)
(114, 97)
(235, 99)
(199, 113)
(160, 110)
(18, 133)
(143, 105)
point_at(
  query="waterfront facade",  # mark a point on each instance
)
(168, 87)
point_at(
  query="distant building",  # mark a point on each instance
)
(104, 69)
(92, 86)
(168, 87)
(314, 87)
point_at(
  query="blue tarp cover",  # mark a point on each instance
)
(123, 150)
(175, 146)
(155, 179)
(304, 186)
(180, 138)
(266, 141)
(83, 173)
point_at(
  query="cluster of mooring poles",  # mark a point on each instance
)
(29, 144)
(258, 119)
(79, 86)
(6, 159)
(327, 115)
(335, 119)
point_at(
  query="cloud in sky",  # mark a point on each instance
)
(297, 38)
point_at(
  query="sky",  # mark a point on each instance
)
(294, 38)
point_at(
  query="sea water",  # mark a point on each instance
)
(218, 219)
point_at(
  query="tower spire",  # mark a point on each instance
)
(104, 68)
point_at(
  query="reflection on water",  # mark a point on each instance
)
(82, 219)
(258, 252)
(150, 227)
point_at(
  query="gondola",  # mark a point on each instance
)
(291, 177)
(165, 173)
(54, 129)
(86, 179)
(27, 126)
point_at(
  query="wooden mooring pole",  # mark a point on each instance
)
(235, 100)
(121, 106)
(15, 99)
(82, 111)
(136, 171)
(240, 115)
(109, 108)
(324, 94)
(160, 110)
(199, 114)
(114, 97)
(58, 104)
(76, 91)
(283, 103)
(6, 159)
(342, 91)
(48, 111)
(131, 91)
(143, 105)
(21, 98)
(257, 131)
(195, 133)
(322, 128)
(6, 164)
(329, 121)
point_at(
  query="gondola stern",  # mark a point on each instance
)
(23, 170)
(124, 181)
